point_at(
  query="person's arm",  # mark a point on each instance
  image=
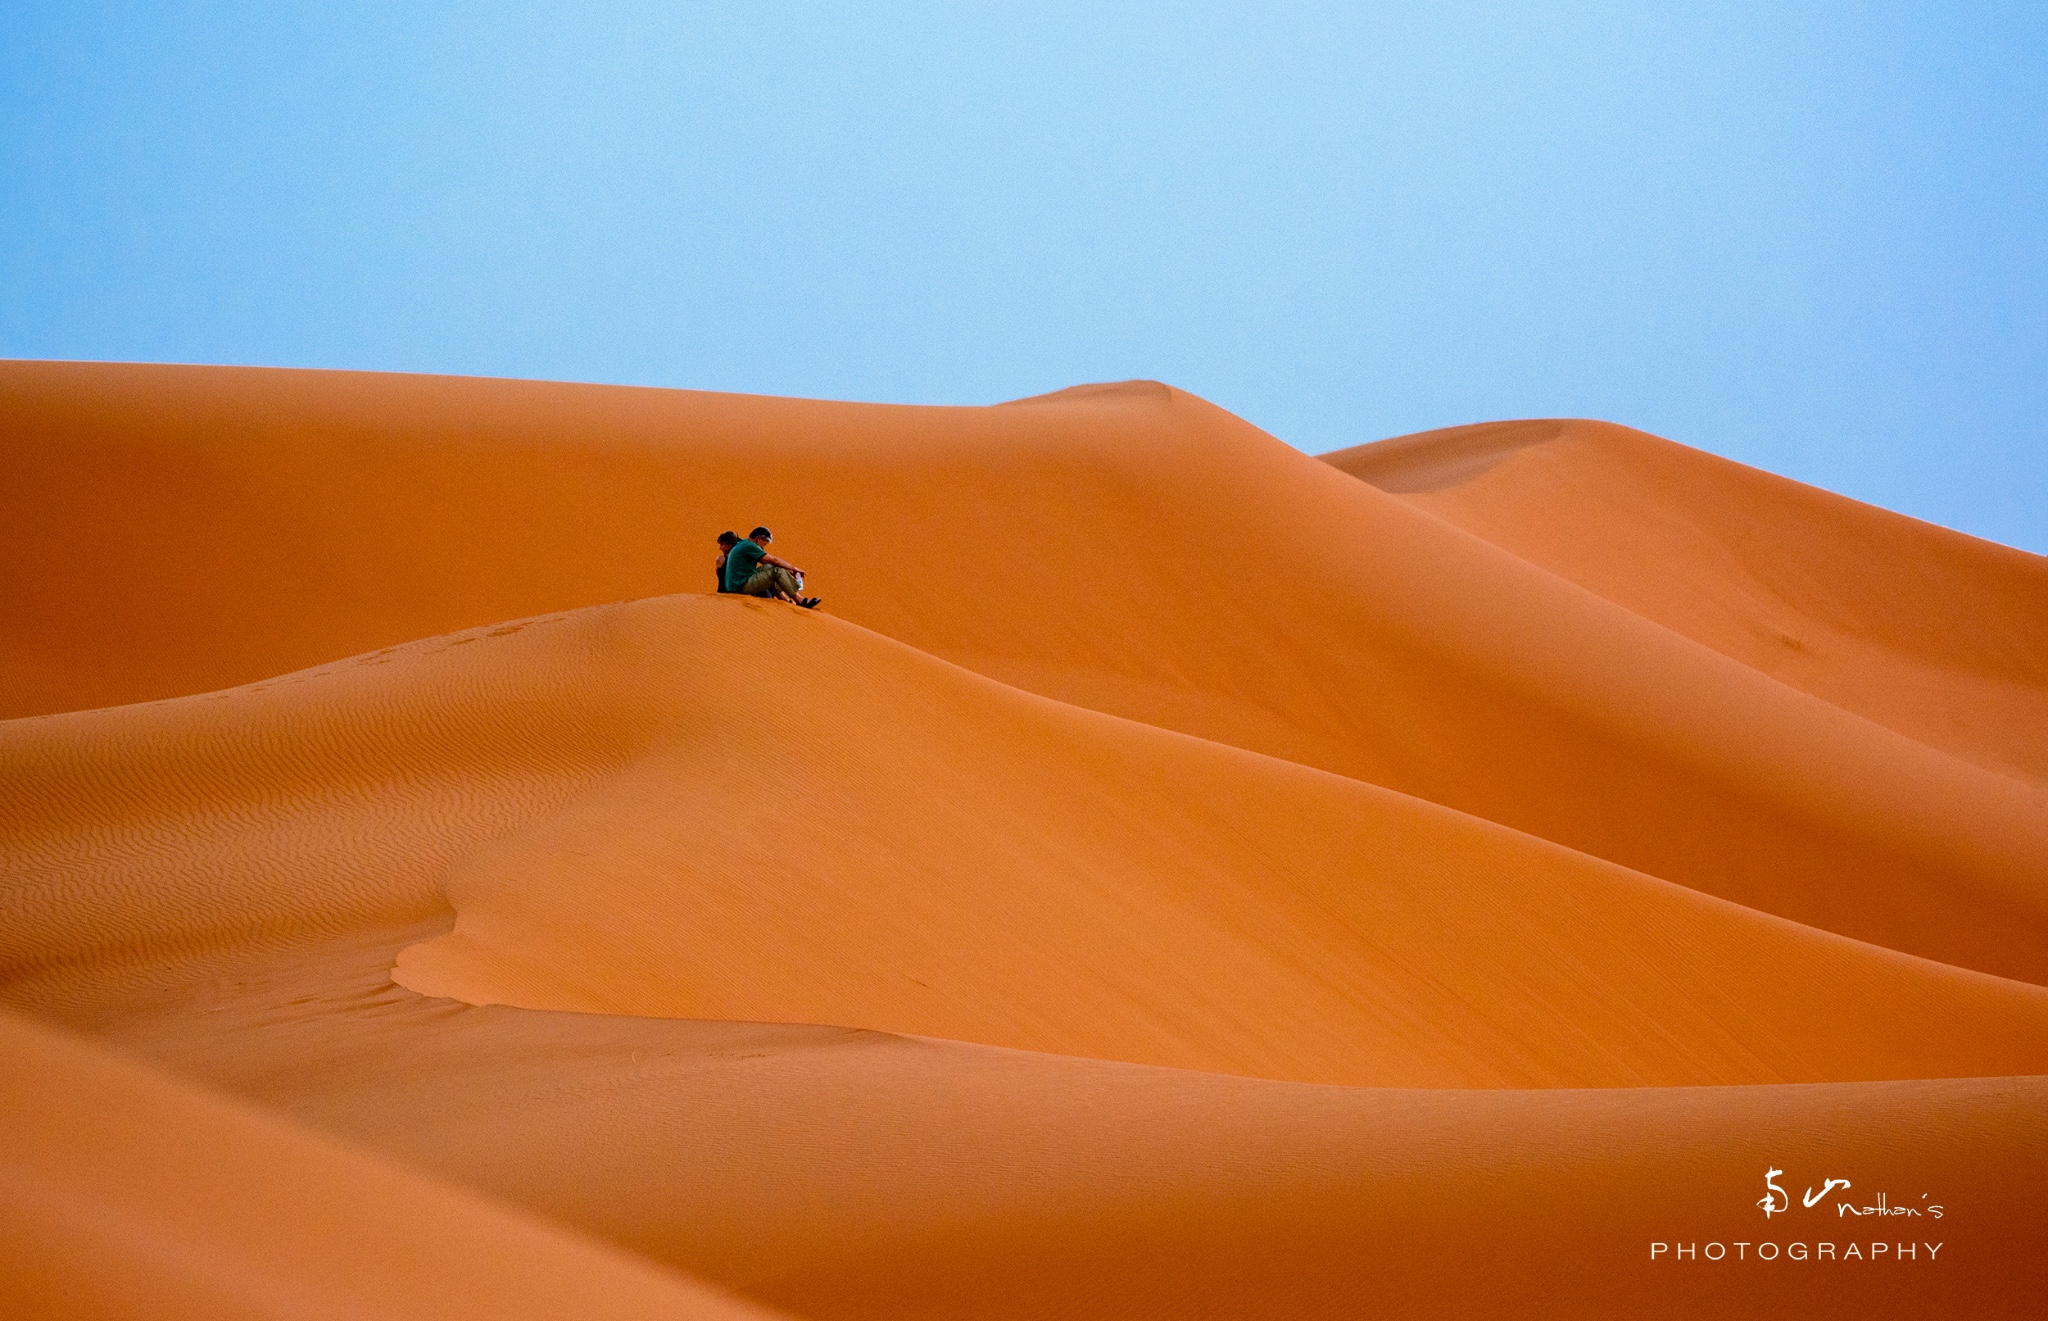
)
(779, 563)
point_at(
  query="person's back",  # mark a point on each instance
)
(740, 563)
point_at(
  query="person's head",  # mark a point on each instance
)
(727, 540)
(761, 536)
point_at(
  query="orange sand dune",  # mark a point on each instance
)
(1129, 549)
(124, 1194)
(884, 1177)
(1937, 635)
(636, 809)
(361, 722)
(845, 1174)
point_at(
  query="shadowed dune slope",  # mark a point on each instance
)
(642, 808)
(1935, 634)
(242, 1216)
(1128, 549)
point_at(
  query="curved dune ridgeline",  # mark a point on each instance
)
(1173, 875)
(1925, 631)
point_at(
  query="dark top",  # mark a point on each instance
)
(721, 570)
(740, 563)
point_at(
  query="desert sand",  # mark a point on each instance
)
(1173, 875)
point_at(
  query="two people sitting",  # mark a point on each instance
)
(745, 568)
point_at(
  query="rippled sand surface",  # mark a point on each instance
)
(1171, 876)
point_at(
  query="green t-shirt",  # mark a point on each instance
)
(740, 564)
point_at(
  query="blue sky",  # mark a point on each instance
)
(1810, 237)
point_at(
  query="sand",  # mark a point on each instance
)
(1172, 876)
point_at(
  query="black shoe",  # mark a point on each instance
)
(810, 602)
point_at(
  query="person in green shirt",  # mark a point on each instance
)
(750, 570)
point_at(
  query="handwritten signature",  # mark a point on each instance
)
(1776, 1200)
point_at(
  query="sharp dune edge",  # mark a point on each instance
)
(1177, 877)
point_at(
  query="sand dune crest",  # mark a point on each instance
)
(1935, 634)
(1456, 820)
(1135, 551)
(649, 809)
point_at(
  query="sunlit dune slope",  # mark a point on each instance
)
(126, 1194)
(847, 1174)
(1935, 634)
(1542, 773)
(868, 1177)
(1128, 549)
(722, 808)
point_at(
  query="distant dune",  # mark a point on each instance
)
(1172, 875)
(1876, 614)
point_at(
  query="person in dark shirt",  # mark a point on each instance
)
(726, 541)
(751, 570)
